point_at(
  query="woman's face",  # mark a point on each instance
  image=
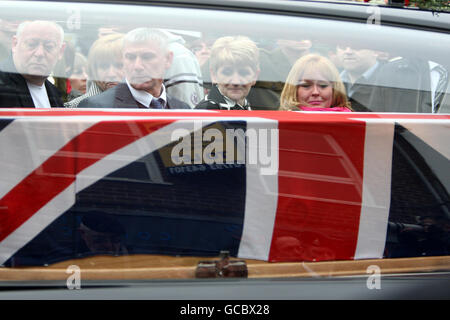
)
(109, 74)
(315, 90)
(78, 79)
(234, 81)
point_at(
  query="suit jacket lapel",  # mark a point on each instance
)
(123, 97)
(53, 95)
(215, 95)
(21, 96)
(23, 93)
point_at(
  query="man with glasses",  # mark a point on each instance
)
(36, 48)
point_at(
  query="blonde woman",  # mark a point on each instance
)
(234, 68)
(313, 84)
(105, 67)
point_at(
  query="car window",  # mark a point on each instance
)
(350, 161)
(384, 68)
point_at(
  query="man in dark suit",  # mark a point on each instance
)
(361, 68)
(146, 58)
(36, 48)
(401, 84)
(275, 67)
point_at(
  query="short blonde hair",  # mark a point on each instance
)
(107, 48)
(289, 99)
(234, 50)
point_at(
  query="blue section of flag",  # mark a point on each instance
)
(4, 123)
(143, 208)
(419, 202)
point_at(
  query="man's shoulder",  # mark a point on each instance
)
(101, 100)
(96, 101)
(8, 77)
(5, 79)
(207, 104)
(174, 103)
(212, 100)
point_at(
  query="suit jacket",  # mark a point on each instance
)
(275, 67)
(120, 97)
(359, 93)
(403, 85)
(215, 100)
(14, 92)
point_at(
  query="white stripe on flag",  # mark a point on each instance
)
(434, 132)
(26, 143)
(376, 189)
(36, 223)
(63, 201)
(142, 147)
(261, 197)
(135, 151)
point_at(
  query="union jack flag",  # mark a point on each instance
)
(342, 184)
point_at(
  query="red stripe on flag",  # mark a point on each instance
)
(60, 170)
(275, 115)
(320, 191)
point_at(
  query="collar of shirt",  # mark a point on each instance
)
(363, 79)
(231, 103)
(145, 98)
(345, 76)
(369, 72)
(39, 95)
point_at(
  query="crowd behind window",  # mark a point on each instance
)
(42, 67)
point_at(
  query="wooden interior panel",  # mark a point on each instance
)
(168, 267)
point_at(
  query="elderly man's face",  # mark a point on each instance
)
(145, 64)
(37, 50)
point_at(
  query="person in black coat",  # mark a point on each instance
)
(146, 58)
(234, 68)
(120, 96)
(36, 48)
(361, 70)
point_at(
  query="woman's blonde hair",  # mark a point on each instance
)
(104, 49)
(234, 50)
(289, 99)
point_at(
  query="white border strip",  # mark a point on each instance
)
(435, 133)
(122, 157)
(135, 151)
(61, 203)
(26, 144)
(376, 196)
(261, 202)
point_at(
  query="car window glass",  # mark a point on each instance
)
(383, 68)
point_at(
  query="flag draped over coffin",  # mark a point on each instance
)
(313, 187)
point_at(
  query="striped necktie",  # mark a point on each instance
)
(157, 103)
(440, 88)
